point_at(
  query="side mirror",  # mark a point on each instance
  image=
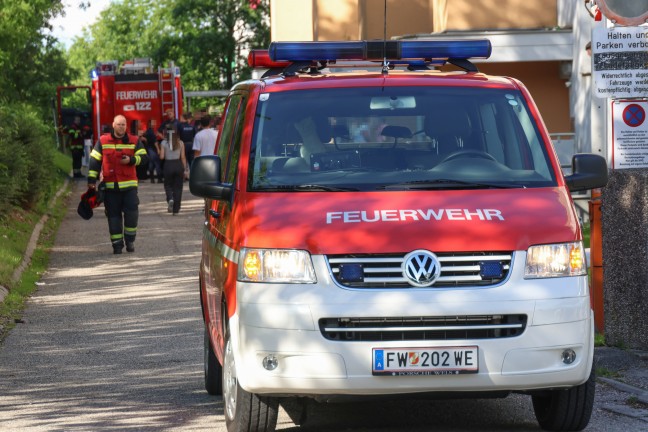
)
(589, 171)
(204, 180)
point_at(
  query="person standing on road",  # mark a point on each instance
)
(170, 119)
(187, 133)
(197, 116)
(86, 133)
(116, 156)
(75, 133)
(172, 151)
(205, 140)
(152, 147)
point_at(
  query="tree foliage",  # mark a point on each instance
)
(32, 64)
(213, 37)
(207, 39)
(31, 61)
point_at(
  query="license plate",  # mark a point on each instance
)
(425, 361)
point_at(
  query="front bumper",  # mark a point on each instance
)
(282, 321)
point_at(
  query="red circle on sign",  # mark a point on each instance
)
(634, 115)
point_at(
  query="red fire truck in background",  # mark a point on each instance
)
(135, 89)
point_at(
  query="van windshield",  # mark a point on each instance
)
(396, 138)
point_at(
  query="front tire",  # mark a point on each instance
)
(213, 369)
(566, 410)
(244, 412)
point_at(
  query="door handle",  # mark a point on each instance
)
(213, 213)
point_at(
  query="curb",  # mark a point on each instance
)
(641, 394)
(33, 242)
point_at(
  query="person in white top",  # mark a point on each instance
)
(205, 140)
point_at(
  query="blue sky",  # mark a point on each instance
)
(65, 29)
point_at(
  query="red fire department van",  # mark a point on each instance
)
(136, 89)
(389, 232)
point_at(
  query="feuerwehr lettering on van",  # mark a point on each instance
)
(356, 216)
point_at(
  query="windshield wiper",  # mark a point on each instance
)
(450, 184)
(308, 187)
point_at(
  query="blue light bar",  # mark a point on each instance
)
(314, 51)
(446, 49)
(377, 50)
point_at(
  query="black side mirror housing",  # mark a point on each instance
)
(205, 179)
(589, 171)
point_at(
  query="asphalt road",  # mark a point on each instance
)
(114, 342)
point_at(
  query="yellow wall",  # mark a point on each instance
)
(336, 20)
(403, 17)
(363, 19)
(291, 20)
(500, 14)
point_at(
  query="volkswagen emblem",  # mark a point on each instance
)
(421, 268)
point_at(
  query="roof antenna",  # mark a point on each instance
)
(385, 65)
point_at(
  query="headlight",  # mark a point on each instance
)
(555, 260)
(275, 265)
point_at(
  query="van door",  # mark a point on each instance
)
(222, 274)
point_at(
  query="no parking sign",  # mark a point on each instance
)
(629, 134)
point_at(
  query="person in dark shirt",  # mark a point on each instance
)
(75, 133)
(187, 133)
(170, 119)
(153, 151)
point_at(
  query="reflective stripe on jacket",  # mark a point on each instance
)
(76, 137)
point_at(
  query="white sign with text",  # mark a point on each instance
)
(629, 134)
(620, 62)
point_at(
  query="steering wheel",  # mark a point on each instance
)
(468, 154)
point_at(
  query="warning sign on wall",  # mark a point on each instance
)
(629, 134)
(620, 61)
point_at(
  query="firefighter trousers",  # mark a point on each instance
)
(77, 158)
(122, 212)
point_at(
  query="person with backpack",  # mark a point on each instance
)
(173, 153)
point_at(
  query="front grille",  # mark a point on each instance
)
(384, 270)
(423, 328)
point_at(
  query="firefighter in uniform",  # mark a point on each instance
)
(76, 146)
(116, 156)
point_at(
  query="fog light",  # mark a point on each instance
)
(270, 362)
(568, 356)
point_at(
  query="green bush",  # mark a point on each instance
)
(26, 157)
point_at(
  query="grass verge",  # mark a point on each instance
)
(15, 233)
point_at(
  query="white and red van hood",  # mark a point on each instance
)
(440, 221)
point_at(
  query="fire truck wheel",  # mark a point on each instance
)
(565, 410)
(213, 369)
(244, 412)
